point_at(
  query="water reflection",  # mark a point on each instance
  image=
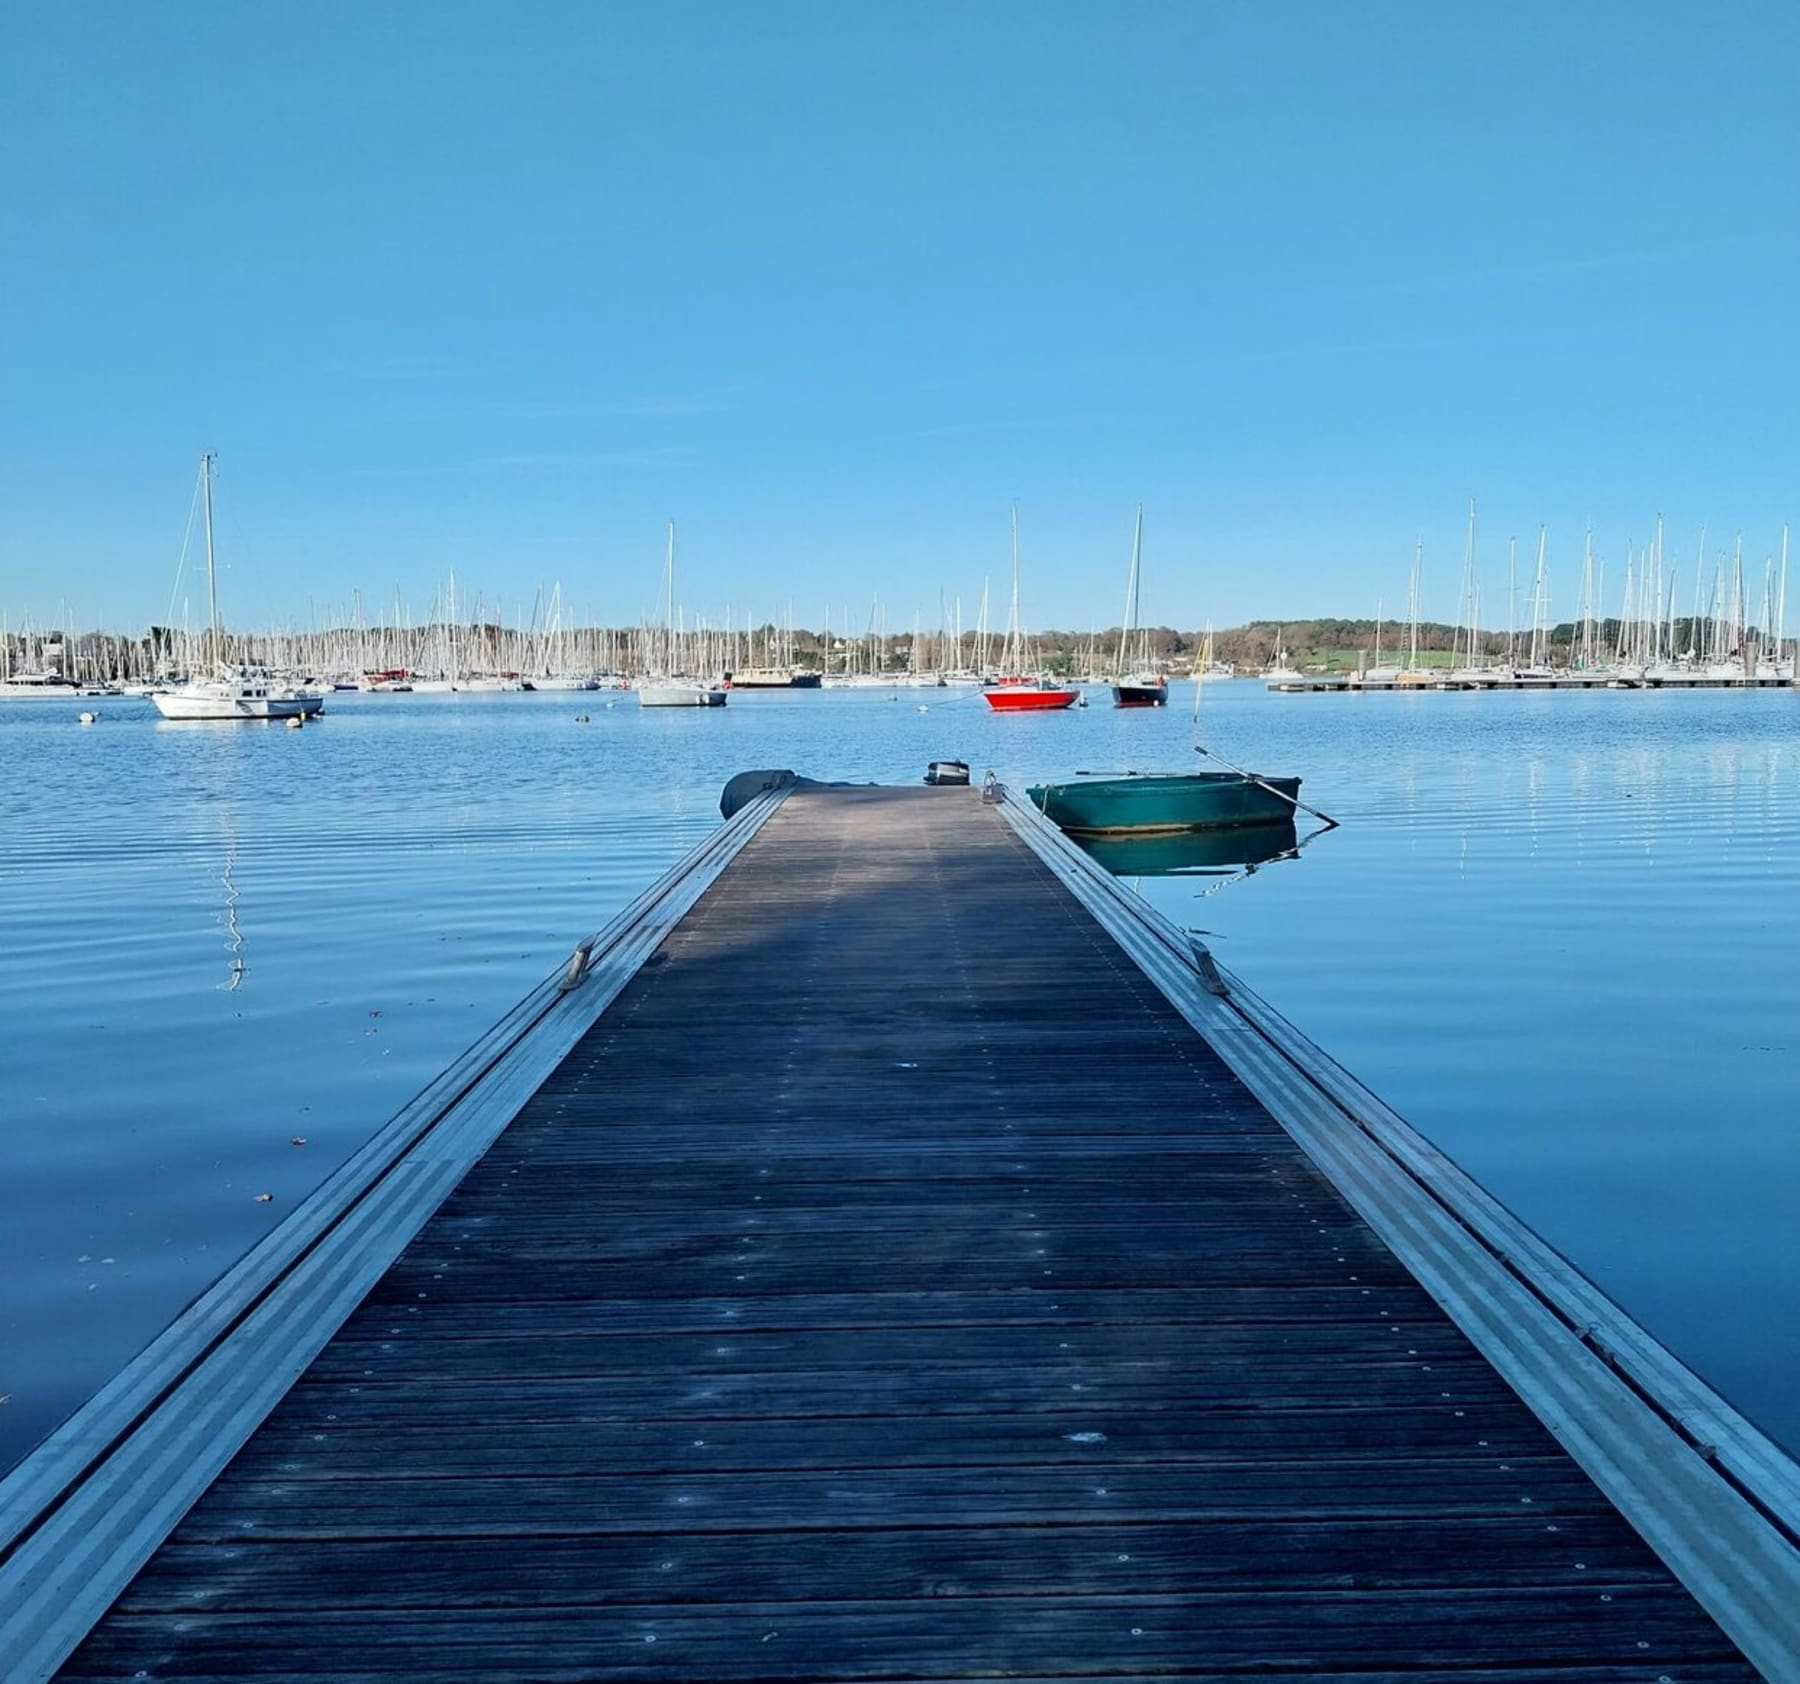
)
(1193, 853)
(234, 932)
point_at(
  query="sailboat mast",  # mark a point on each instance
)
(1129, 625)
(1737, 597)
(1693, 643)
(212, 587)
(1412, 607)
(1512, 601)
(1540, 610)
(1656, 653)
(1781, 598)
(669, 611)
(1469, 582)
(1014, 640)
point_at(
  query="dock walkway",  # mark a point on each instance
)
(891, 1283)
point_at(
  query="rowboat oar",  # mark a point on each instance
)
(1292, 800)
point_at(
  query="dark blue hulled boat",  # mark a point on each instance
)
(1150, 804)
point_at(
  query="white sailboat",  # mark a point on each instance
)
(554, 671)
(231, 692)
(664, 688)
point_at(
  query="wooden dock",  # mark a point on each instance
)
(1358, 683)
(891, 1253)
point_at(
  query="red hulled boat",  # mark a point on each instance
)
(1029, 695)
(1015, 693)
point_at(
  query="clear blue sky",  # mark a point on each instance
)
(502, 288)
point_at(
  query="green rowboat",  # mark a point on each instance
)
(1153, 804)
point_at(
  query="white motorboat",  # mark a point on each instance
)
(36, 686)
(243, 693)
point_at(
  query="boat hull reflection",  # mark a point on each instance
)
(1194, 853)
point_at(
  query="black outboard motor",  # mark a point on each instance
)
(947, 772)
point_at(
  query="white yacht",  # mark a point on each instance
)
(33, 686)
(563, 681)
(238, 693)
(680, 693)
(232, 692)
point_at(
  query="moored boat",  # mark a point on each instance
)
(1149, 804)
(1141, 690)
(662, 687)
(679, 693)
(231, 692)
(774, 678)
(241, 693)
(34, 686)
(1029, 695)
(1136, 683)
(562, 681)
(1015, 692)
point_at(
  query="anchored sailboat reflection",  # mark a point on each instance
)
(234, 933)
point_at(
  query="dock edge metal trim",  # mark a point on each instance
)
(85, 1510)
(1715, 1498)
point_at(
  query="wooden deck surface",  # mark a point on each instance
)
(891, 1285)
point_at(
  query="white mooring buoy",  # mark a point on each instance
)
(88, 718)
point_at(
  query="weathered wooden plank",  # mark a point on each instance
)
(1223, 1226)
(1317, 1631)
(1423, 1552)
(434, 1449)
(422, 1669)
(839, 1394)
(1199, 1197)
(388, 1311)
(619, 1144)
(423, 1354)
(666, 1159)
(927, 1260)
(381, 1506)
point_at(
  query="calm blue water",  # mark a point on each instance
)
(1559, 932)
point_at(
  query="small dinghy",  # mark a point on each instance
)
(1163, 804)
